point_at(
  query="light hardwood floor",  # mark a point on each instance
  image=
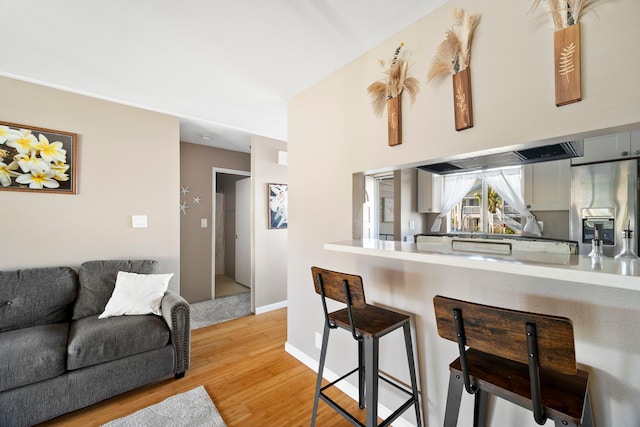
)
(246, 371)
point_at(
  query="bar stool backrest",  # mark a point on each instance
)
(334, 285)
(503, 333)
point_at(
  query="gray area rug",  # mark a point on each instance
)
(192, 408)
(206, 313)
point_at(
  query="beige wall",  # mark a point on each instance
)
(196, 165)
(128, 162)
(269, 245)
(333, 133)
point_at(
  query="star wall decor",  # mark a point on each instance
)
(184, 190)
(184, 207)
(196, 199)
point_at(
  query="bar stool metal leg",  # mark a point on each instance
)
(587, 420)
(480, 408)
(323, 355)
(361, 375)
(412, 372)
(371, 380)
(454, 396)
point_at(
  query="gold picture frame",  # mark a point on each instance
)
(37, 159)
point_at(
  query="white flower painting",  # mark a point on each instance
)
(34, 159)
(278, 195)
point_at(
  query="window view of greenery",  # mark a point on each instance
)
(482, 210)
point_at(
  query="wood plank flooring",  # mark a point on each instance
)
(246, 371)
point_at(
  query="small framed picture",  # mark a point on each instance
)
(36, 159)
(278, 200)
(387, 213)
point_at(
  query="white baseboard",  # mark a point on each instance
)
(271, 307)
(347, 388)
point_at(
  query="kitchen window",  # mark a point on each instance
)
(487, 202)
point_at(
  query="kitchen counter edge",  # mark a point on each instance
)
(610, 272)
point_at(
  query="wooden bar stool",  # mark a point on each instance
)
(367, 324)
(526, 358)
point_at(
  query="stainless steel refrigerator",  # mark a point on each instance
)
(604, 199)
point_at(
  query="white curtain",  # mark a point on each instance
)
(508, 184)
(455, 188)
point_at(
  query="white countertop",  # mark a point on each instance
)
(611, 273)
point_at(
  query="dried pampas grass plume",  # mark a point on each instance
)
(395, 82)
(454, 53)
(565, 13)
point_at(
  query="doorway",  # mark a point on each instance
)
(384, 207)
(231, 203)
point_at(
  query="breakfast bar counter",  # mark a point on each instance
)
(607, 271)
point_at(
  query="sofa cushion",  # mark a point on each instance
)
(93, 341)
(98, 279)
(136, 294)
(34, 354)
(36, 296)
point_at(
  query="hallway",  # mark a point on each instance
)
(225, 285)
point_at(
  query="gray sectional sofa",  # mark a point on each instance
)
(56, 356)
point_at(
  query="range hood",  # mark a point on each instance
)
(544, 153)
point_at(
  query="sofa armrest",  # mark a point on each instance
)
(176, 313)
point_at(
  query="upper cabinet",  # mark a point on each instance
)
(429, 192)
(547, 186)
(618, 146)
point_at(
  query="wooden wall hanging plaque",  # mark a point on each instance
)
(394, 113)
(462, 99)
(566, 53)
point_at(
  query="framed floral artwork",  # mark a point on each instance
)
(277, 195)
(387, 212)
(37, 159)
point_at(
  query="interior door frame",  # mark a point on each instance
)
(242, 243)
(215, 171)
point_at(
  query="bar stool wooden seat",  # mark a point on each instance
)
(526, 358)
(367, 324)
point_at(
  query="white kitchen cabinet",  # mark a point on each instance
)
(429, 192)
(547, 186)
(635, 143)
(617, 146)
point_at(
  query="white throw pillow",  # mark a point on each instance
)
(136, 294)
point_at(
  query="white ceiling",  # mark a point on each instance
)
(225, 68)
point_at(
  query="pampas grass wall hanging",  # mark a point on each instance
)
(565, 16)
(453, 57)
(388, 92)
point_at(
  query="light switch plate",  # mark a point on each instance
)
(283, 158)
(203, 223)
(139, 221)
